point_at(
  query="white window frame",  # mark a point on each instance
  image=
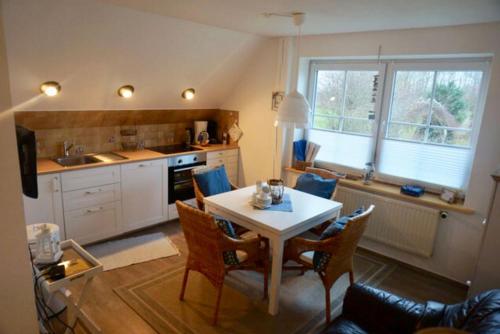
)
(384, 100)
(347, 66)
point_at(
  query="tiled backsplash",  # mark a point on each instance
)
(99, 131)
(102, 139)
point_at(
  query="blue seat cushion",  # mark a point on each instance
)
(321, 259)
(316, 185)
(213, 181)
(225, 225)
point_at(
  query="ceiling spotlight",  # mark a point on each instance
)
(126, 91)
(188, 94)
(50, 88)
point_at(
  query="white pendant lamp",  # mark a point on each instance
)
(294, 110)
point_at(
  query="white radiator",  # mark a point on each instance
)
(400, 224)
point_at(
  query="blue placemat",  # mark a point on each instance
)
(286, 205)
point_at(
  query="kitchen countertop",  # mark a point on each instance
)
(47, 166)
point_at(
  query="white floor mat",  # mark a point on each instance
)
(124, 252)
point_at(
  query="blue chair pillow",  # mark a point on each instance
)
(230, 257)
(320, 259)
(316, 185)
(212, 182)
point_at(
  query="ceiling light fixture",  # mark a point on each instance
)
(126, 91)
(188, 94)
(50, 88)
(294, 110)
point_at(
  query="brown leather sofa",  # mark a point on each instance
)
(370, 310)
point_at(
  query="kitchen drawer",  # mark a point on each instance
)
(222, 154)
(231, 153)
(215, 155)
(215, 162)
(88, 178)
(83, 198)
(93, 223)
(142, 164)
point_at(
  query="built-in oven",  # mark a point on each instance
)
(180, 180)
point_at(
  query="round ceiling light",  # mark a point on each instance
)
(188, 94)
(126, 91)
(50, 88)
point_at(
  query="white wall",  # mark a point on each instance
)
(17, 307)
(92, 48)
(459, 236)
(252, 98)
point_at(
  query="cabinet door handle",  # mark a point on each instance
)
(142, 165)
(93, 210)
(55, 184)
(90, 192)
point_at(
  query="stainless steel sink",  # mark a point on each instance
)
(77, 160)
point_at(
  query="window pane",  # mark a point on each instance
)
(329, 92)
(326, 123)
(412, 96)
(341, 148)
(458, 138)
(361, 126)
(406, 132)
(436, 135)
(455, 98)
(437, 164)
(359, 89)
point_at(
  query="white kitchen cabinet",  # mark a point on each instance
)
(92, 203)
(228, 158)
(48, 207)
(94, 223)
(144, 193)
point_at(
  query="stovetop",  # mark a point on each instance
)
(170, 149)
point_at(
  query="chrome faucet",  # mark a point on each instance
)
(67, 146)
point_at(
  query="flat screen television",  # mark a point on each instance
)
(26, 147)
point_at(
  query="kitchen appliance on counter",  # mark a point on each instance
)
(173, 149)
(199, 127)
(180, 180)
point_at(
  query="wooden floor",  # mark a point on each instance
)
(114, 316)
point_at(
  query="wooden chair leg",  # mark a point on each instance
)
(217, 303)
(351, 277)
(184, 283)
(266, 280)
(327, 308)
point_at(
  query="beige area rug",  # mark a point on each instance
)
(242, 309)
(124, 252)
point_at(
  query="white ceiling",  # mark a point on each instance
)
(323, 16)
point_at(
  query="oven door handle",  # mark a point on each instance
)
(186, 168)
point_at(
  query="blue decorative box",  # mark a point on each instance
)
(412, 190)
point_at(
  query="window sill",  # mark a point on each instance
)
(393, 191)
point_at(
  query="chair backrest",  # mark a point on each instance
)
(198, 193)
(325, 174)
(204, 240)
(343, 248)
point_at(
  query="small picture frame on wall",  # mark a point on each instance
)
(277, 99)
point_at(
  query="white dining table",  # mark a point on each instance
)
(278, 226)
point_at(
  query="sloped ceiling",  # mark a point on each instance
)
(323, 16)
(93, 48)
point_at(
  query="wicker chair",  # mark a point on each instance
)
(206, 244)
(326, 174)
(200, 196)
(341, 247)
